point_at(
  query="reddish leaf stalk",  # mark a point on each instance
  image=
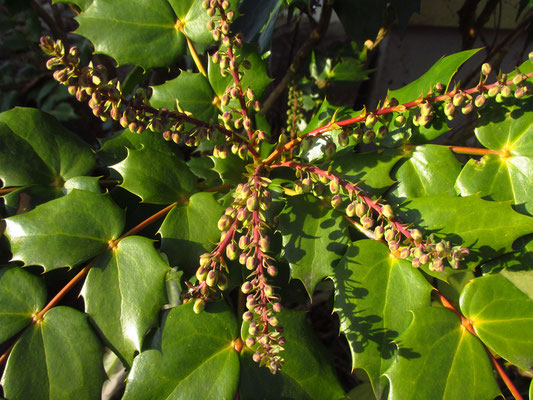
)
(385, 110)
(467, 324)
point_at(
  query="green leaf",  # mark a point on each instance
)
(66, 231)
(255, 78)
(114, 149)
(487, 228)
(438, 358)
(373, 168)
(306, 374)
(60, 356)
(124, 291)
(21, 295)
(520, 260)
(374, 293)
(231, 169)
(51, 153)
(442, 71)
(503, 178)
(134, 31)
(196, 360)
(190, 229)
(428, 170)
(155, 177)
(192, 92)
(314, 239)
(500, 308)
(194, 19)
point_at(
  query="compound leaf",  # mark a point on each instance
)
(65, 231)
(196, 360)
(500, 307)
(61, 357)
(124, 292)
(374, 293)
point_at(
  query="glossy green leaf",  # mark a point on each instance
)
(196, 360)
(442, 71)
(374, 294)
(190, 230)
(328, 112)
(155, 177)
(192, 92)
(134, 31)
(257, 21)
(503, 178)
(231, 169)
(21, 295)
(500, 308)
(372, 168)
(66, 231)
(500, 178)
(439, 359)
(314, 239)
(255, 78)
(306, 374)
(61, 357)
(520, 260)
(115, 148)
(194, 19)
(51, 153)
(124, 291)
(428, 170)
(487, 228)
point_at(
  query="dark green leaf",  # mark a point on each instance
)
(488, 228)
(372, 168)
(51, 153)
(21, 295)
(374, 294)
(124, 292)
(429, 170)
(197, 359)
(500, 308)
(194, 19)
(231, 169)
(192, 92)
(66, 231)
(190, 230)
(306, 374)
(60, 356)
(155, 177)
(257, 21)
(438, 358)
(314, 239)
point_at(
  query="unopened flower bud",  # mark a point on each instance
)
(251, 203)
(247, 316)
(276, 307)
(250, 341)
(222, 282)
(370, 120)
(393, 246)
(467, 109)
(330, 149)
(231, 252)
(212, 278)
(493, 91)
(199, 306)
(458, 99)
(387, 212)
(486, 69)
(250, 263)
(246, 287)
(378, 232)
(336, 201)
(334, 186)
(224, 223)
(267, 289)
(272, 271)
(369, 136)
(201, 274)
(480, 101)
(424, 259)
(343, 139)
(382, 132)
(264, 244)
(367, 222)
(416, 263)
(449, 110)
(360, 209)
(506, 91)
(399, 121)
(350, 210)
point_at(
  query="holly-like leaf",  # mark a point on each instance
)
(372, 168)
(66, 231)
(487, 228)
(503, 178)
(82, 4)
(190, 230)
(442, 71)
(500, 308)
(230, 169)
(428, 170)
(148, 34)
(314, 239)
(124, 292)
(51, 153)
(306, 374)
(192, 92)
(155, 177)
(196, 360)
(257, 21)
(438, 358)
(21, 295)
(374, 296)
(61, 357)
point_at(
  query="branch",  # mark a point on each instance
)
(302, 54)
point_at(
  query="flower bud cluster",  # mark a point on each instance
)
(378, 221)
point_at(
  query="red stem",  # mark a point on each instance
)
(8, 190)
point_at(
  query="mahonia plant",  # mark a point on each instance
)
(300, 203)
